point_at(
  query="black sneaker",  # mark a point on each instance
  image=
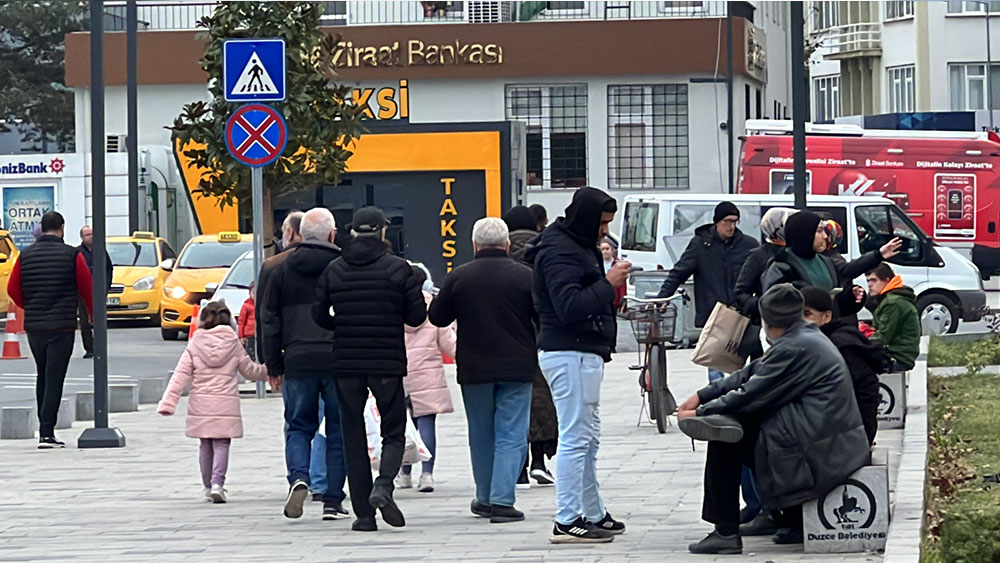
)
(762, 525)
(297, 494)
(502, 514)
(49, 443)
(542, 476)
(334, 511)
(712, 428)
(717, 544)
(522, 480)
(365, 525)
(88, 356)
(788, 536)
(317, 497)
(381, 499)
(481, 510)
(609, 524)
(580, 531)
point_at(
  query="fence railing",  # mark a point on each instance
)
(180, 15)
(855, 38)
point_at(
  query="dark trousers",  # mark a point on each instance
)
(51, 351)
(352, 391)
(723, 471)
(86, 328)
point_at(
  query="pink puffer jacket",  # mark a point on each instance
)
(208, 366)
(424, 381)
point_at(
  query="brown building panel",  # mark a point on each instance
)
(667, 46)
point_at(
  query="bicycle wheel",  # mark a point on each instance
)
(654, 399)
(658, 378)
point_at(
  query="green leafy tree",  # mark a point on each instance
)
(33, 96)
(322, 117)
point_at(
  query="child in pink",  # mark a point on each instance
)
(208, 367)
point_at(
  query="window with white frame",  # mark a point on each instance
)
(826, 98)
(648, 136)
(901, 93)
(896, 10)
(556, 140)
(967, 85)
(825, 14)
(973, 7)
(681, 8)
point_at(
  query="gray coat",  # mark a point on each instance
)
(811, 435)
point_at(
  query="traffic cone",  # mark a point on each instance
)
(12, 330)
(194, 321)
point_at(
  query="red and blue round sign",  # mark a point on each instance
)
(256, 134)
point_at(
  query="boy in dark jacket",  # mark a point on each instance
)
(896, 321)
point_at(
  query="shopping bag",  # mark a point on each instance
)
(719, 344)
(415, 450)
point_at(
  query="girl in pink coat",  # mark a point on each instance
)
(426, 386)
(208, 367)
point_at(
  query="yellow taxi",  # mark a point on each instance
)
(137, 281)
(198, 270)
(8, 255)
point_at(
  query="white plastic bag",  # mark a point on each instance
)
(415, 450)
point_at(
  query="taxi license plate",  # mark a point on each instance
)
(114, 300)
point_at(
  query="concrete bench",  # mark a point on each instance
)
(84, 405)
(18, 423)
(67, 414)
(123, 397)
(151, 389)
(892, 409)
(853, 517)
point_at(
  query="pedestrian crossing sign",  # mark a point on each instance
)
(254, 70)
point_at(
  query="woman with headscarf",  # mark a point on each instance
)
(834, 236)
(748, 289)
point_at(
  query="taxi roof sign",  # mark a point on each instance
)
(230, 236)
(143, 235)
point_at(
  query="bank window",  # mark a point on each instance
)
(640, 226)
(967, 84)
(826, 98)
(556, 136)
(972, 7)
(878, 224)
(897, 10)
(901, 88)
(648, 136)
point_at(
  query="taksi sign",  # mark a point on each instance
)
(416, 53)
(449, 215)
(54, 166)
(384, 103)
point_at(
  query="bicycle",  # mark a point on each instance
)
(653, 324)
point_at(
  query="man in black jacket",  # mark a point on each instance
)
(714, 256)
(490, 298)
(365, 297)
(86, 249)
(791, 415)
(300, 352)
(574, 298)
(48, 281)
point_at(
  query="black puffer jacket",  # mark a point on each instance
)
(865, 361)
(573, 298)
(48, 283)
(748, 290)
(284, 311)
(811, 435)
(784, 269)
(715, 265)
(372, 293)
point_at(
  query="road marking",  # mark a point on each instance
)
(18, 386)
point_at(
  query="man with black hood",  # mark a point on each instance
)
(574, 298)
(299, 352)
(803, 263)
(714, 256)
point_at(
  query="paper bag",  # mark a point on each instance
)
(719, 344)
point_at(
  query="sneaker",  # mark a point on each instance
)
(503, 514)
(481, 510)
(746, 515)
(522, 480)
(297, 494)
(762, 525)
(580, 531)
(218, 494)
(381, 499)
(317, 497)
(403, 481)
(717, 544)
(426, 483)
(49, 443)
(88, 356)
(609, 524)
(365, 525)
(334, 511)
(542, 476)
(788, 536)
(712, 428)
(206, 494)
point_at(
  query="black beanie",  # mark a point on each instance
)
(800, 232)
(817, 299)
(781, 306)
(725, 209)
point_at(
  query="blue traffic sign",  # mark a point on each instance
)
(253, 70)
(256, 134)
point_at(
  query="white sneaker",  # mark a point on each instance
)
(404, 481)
(218, 494)
(206, 494)
(426, 483)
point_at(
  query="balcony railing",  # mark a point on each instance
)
(852, 40)
(164, 16)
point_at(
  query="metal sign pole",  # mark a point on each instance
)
(800, 99)
(258, 239)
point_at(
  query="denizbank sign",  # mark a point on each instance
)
(54, 166)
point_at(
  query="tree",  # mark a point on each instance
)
(322, 117)
(33, 94)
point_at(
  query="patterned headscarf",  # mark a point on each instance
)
(834, 233)
(772, 224)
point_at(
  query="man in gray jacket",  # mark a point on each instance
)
(790, 415)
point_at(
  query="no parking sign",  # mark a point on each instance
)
(256, 134)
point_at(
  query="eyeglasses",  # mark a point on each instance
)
(733, 222)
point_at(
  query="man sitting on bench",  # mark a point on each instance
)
(895, 317)
(790, 415)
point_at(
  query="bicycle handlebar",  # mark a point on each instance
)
(656, 300)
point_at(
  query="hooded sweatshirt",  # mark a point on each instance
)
(573, 298)
(522, 226)
(800, 233)
(897, 323)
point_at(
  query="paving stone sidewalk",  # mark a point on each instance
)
(142, 502)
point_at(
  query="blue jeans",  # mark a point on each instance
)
(498, 416)
(301, 393)
(714, 374)
(425, 425)
(575, 379)
(317, 459)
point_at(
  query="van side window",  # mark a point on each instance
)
(689, 216)
(641, 220)
(878, 224)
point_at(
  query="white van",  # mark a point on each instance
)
(656, 229)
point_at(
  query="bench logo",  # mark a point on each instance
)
(887, 400)
(848, 507)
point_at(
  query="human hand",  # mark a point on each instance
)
(682, 414)
(164, 412)
(891, 248)
(690, 404)
(618, 274)
(859, 294)
(275, 382)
